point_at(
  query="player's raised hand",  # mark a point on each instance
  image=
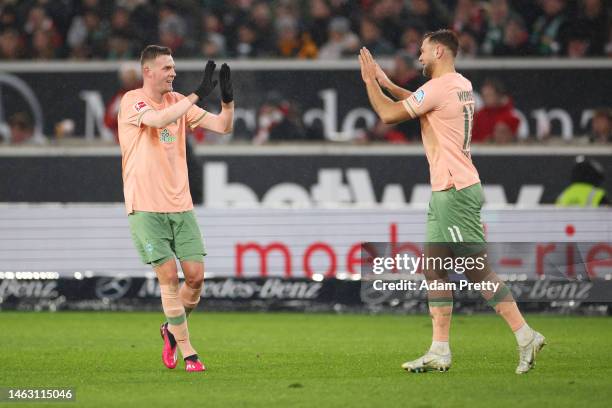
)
(368, 66)
(225, 79)
(207, 85)
(381, 77)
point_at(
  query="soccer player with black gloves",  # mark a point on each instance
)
(152, 122)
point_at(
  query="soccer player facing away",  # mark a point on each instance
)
(445, 106)
(152, 122)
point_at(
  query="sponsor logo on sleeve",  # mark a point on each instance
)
(140, 106)
(419, 96)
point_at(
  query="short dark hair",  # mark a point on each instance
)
(153, 51)
(445, 37)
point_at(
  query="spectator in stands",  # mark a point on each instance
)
(130, 77)
(61, 13)
(11, 44)
(8, 17)
(212, 46)
(584, 190)
(411, 39)
(39, 21)
(549, 29)
(347, 8)
(90, 29)
(577, 42)
(390, 16)
(120, 46)
(498, 15)
(22, 130)
(122, 28)
(278, 120)
(529, 10)
(405, 72)
(246, 45)
(594, 21)
(288, 9)
(495, 121)
(104, 7)
(261, 17)
(372, 39)
(88, 35)
(469, 16)
(292, 43)
(173, 31)
(210, 22)
(120, 21)
(468, 45)
(211, 31)
(431, 13)
(516, 40)
(342, 41)
(601, 126)
(320, 16)
(42, 47)
(143, 19)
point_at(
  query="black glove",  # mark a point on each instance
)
(225, 76)
(207, 85)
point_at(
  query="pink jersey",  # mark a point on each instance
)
(154, 160)
(445, 106)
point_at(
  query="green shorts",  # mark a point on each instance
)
(453, 217)
(158, 237)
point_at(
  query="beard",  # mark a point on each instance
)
(427, 70)
(167, 88)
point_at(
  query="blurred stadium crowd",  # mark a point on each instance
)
(306, 29)
(326, 29)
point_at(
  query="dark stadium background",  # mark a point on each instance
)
(307, 175)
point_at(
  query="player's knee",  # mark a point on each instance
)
(167, 276)
(195, 281)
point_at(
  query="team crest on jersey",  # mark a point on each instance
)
(166, 137)
(140, 106)
(419, 96)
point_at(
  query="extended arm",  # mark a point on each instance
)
(164, 117)
(397, 92)
(388, 110)
(220, 123)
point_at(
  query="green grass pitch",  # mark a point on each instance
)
(303, 360)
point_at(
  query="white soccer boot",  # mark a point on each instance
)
(527, 354)
(429, 362)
